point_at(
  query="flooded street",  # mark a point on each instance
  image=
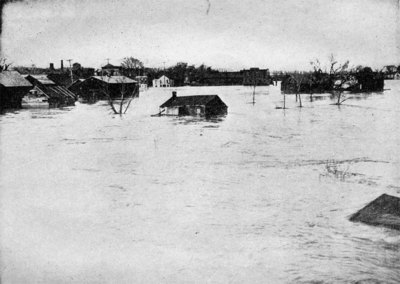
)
(91, 197)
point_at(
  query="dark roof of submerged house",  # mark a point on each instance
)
(13, 79)
(48, 87)
(115, 79)
(190, 100)
(55, 91)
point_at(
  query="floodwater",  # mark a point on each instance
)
(262, 195)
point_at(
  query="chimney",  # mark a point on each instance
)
(51, 66)
(62, 65)
(174, 94)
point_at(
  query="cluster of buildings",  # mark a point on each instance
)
(392, 72)
(51, 87)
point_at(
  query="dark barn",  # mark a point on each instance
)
(205, 105)
(76, 87)
(13, 87)
(57, 96)
(100, 87)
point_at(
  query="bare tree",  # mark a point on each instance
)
(121, 102)
(4, 65)
(298, 79)
(336, 78)
(339, 75)
(254, 83)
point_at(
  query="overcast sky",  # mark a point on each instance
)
(226, 34)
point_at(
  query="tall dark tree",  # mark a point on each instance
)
(131, 67)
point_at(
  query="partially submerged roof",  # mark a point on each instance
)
(115, 79)
(42, 79)
(383, 211)
(13, 79)
(190, 100)
(54, 91)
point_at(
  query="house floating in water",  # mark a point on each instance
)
(162, 82)
(205, 105)
(13, 87)
(48, 92)
(100, 87)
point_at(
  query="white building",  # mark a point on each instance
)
(162, 82)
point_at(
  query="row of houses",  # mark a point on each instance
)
(40, 90)
(18, 91)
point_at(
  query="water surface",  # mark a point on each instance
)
(92, 197)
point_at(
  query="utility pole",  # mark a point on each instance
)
(70, 70)
(164, 74)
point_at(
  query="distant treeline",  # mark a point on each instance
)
(360, 79)
(184, 74)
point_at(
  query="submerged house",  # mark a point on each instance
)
(56, 95)
(76, 87)
(205, 105)
(13, 87)
(104, 87)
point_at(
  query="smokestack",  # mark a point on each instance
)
(62, 65)
(51, 66)
(174, 94)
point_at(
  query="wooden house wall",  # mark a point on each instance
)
(11, 97)
(216, 107)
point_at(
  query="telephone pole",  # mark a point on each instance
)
(70, 69)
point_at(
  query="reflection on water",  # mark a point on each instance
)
(259, 195)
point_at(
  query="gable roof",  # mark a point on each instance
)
(41, 79)
(190, 100)
(13, 79)
(162, 77)
(115, 79)
(54, 91)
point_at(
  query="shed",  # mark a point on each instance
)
(13, 87)
(204, 105)
(76, 87)
(57, 96)
(100, 87)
